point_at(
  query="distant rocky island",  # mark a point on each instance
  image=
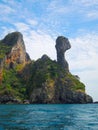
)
(24, 81)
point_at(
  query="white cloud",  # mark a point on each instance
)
(22, 27)
(57, 12)
(5, 9)
(39, 43)
(32, 22)
(84, 50)
(90, 78)
(93, 14)
(57, 7)
(83, 60)
(7, 1)
(9, 13)
(86, 10)
(85, 2)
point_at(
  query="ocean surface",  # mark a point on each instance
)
(49, 117)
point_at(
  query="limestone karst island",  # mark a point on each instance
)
(23, 81)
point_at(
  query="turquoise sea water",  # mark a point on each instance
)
(49, 117)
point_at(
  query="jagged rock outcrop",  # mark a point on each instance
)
(13, 52)
(17, 54)
(41, 81)
(62, 45)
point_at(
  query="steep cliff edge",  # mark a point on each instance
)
(13, 58)
(16, 52)
(41, 81)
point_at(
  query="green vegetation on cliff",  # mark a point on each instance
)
(45, 70)
(41, 81)
(74, 83)
(13, 83)
(4, 49)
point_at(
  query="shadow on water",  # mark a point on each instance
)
(49, 117)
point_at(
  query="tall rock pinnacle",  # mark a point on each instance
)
(17, 54)
(62, 45)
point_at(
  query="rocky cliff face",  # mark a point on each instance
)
(50, 83)
(13, 58)
(13, 51)
(41, 81)
(17, 54)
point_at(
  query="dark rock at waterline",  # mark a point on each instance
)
(96, 102)
(8, 99)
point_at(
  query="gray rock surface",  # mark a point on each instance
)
(62, 45)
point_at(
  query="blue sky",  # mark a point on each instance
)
(41, 21)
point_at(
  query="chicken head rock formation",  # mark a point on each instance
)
(23, 80)
(62, 45)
